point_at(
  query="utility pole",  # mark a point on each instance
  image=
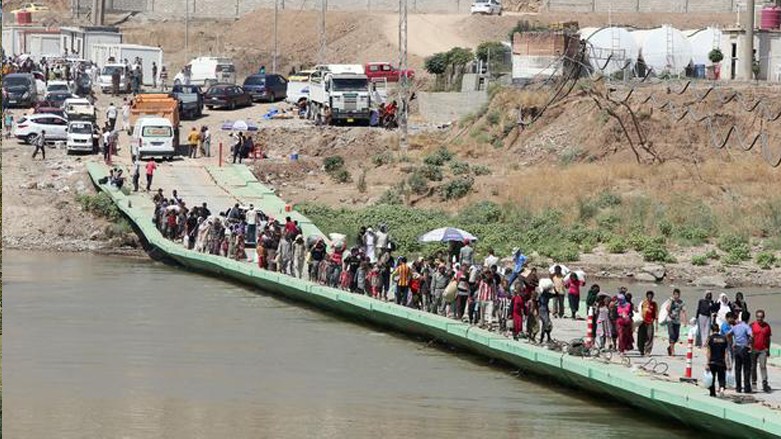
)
(98, 12)
(747, 48)
(323, 47)
(403, 79)
(276, 47)
(187, 29)
(237, 8)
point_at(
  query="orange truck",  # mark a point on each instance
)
(155, 105)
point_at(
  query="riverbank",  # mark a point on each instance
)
(666, 397)
(42, 208)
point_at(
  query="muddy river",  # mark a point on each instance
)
(99, 346)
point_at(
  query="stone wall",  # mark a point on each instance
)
(447, 107)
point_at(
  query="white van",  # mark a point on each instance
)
(207, 71)
(81, 136)
(153, 137)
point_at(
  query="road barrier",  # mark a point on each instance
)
(685, 403)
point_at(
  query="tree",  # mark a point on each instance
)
(715, 56)
(459, 56)
(437, 63)
(494, 48)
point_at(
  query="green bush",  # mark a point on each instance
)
(459, 168)
(617, 245)
(700, 260)
(482, 170)
(736, 246)
(691, 236)
(385, 158)
(712, 254)
(766, 260)
(100, 205)
(341, 176)
(456, 188)
(390, 197)
(608, 221)
(333, 163)
(483, 212)
(493, 117)
(570, 155)
(431, 172)
(418, 183)
(608, 199)
(655, 252)
(438, 157)
(665, 227)
(587, 209)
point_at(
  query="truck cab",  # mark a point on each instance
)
(190, 99)
(338, 97)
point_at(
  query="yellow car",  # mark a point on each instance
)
(31, 7)
(302, 76)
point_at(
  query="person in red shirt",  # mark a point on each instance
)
(518, 308)
(645, 334)
(760, 330)
(151, 166)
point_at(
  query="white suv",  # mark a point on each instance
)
(487, 7)
(30, 126)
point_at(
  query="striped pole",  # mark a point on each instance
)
(590, 327)
(689, 350)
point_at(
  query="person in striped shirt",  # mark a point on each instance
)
(403, 275)
(486, 295)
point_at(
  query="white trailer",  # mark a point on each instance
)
(78, 41)
(43, 45)
(120, 52)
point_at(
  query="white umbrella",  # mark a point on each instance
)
(239, 125)
(446, 234)
(564, 269)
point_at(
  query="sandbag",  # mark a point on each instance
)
(664, 316)
(545, 284)
(730, 379)
(581, 275)
(450, 290)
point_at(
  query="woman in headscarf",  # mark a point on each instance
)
(739, 305)
(723, 307)
(624, 324)
(704, 308)
(239, 247)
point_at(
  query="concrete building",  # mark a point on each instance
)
(540, 54)
(78, 41)
(31, 39)
(767, 51)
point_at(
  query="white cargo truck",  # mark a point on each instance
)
(102, 53)
(339, 93)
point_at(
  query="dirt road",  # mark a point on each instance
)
(427, 34)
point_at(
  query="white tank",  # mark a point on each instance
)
(702, 42)
(602, 42)
(664, 49)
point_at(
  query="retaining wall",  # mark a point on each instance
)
(685, 403)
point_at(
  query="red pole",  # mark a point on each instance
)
(590, 326)
(689, 349)
(220, 154)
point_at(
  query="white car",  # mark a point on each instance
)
(30, 126)
(80, 136)
(487, 7)
(58, 87)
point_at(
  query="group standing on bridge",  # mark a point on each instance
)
(515, 300)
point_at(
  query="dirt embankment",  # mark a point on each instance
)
(40, 207)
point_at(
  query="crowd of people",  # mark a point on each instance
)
(517, 301)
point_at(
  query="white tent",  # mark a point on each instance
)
(613, 43)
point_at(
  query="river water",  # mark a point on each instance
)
(99, 347)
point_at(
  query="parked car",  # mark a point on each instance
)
(30, 126)
(57, 111)
(81, 137)
(153, 137)
(486, 7)
(55, 99)
(385, 70)
(58, 87)
(268, 87)
(190, 99)
(106, 74)
(31, 7)
(20, 90)
(79, 109)
(227, 96)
